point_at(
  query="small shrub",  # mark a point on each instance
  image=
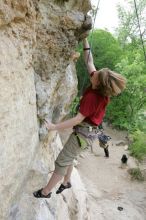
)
(136, 174)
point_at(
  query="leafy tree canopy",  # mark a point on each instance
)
(128, 30)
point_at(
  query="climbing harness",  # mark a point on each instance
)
(91, 133)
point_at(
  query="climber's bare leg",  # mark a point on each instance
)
(68, 175)
(55, 178)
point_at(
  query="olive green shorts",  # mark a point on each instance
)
(70, 152)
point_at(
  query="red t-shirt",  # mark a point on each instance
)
(92, 106)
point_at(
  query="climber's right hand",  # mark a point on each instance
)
(49, 125)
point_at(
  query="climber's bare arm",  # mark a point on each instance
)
(88, 58)
(66, 124)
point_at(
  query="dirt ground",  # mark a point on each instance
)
(112, 193)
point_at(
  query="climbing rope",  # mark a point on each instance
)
(97, 8)
(141, 37)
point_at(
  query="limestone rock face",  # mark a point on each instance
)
(58, 29)
(37, 82)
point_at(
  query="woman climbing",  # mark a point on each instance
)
(104, 84)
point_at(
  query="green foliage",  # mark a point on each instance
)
(74, 106)
(106, 49)
(141, 121)
(82, 74)
(138, 145)
(124, 109)
(128, 110)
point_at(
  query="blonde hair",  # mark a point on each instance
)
(110, 82)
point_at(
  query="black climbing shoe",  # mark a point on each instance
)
(38, 194)
(62, 187)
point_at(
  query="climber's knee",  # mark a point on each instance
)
(61, 170)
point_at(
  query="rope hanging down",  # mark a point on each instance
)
(97, 8)
(142, 42)
(91, 42)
